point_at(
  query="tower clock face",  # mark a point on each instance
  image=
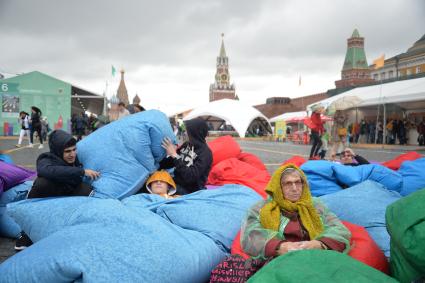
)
(223, 77)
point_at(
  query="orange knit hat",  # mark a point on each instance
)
(163, 176)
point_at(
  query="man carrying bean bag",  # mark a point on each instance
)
(192, 160)
(59, 174)
(406, 226)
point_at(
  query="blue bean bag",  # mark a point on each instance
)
(8, 227)
(101, 240)
(365, 205)
(326, 177)
(215, 213)
(413, 173)
(125, 152)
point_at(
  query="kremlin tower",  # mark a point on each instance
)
(222, 88)
(355, 70)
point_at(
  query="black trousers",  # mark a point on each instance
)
(43, 188)
(38, 130)
(317, 143)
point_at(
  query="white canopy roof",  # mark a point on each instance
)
(288, 115)
(409, 94)
(291, 117)
(234, 112)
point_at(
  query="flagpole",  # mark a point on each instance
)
(105, 99)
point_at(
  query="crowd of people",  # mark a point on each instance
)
(344, 133)
(35, 124)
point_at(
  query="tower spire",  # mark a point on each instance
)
(122, 90)
(222, 49)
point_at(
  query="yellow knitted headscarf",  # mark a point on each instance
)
(271, 211)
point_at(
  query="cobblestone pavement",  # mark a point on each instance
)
(271, 153)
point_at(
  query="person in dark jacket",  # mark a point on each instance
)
(192, 160)
(80, 125)
(35, 125)
(59, 173)
(349, 158)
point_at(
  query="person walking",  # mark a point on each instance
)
(421, 133)
(36, 126)
(25, 127)
(80, 126)
(339, 135)
(316, 131)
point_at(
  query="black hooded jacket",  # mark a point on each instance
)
(195, 158)
(51, 165)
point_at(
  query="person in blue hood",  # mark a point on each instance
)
(192, 160)
(59, 173)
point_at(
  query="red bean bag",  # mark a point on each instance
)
(363, 248)
(234, 171)
(223, 148)
(296, 160)
(251, 159)
(395, 163)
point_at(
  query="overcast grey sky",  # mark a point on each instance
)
(169, 48)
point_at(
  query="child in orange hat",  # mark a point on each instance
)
(161, 183)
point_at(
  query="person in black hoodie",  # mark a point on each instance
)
(192, 160)
(35, 126)
(59, 173)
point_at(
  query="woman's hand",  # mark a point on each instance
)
(91, 174)
(287, 247)
(311, 245)
(169, 147)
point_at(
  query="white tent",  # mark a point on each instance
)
(408, 94)
(288, 116)
(233, 112)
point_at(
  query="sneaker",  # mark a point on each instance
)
(40, 146)
(18, 145)
(22, 242)
(30, 145)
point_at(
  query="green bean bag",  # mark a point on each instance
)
(406, 226)
(318, 266)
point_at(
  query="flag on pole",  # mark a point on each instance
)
(113, 71)
(379, 63)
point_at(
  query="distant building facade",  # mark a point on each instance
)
(355, 71)
(409, 63)
(276, 106)
(222, 88)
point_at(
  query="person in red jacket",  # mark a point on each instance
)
(316, 131)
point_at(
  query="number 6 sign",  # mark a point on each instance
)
(4, 87)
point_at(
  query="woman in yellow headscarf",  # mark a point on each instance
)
(291, 219)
